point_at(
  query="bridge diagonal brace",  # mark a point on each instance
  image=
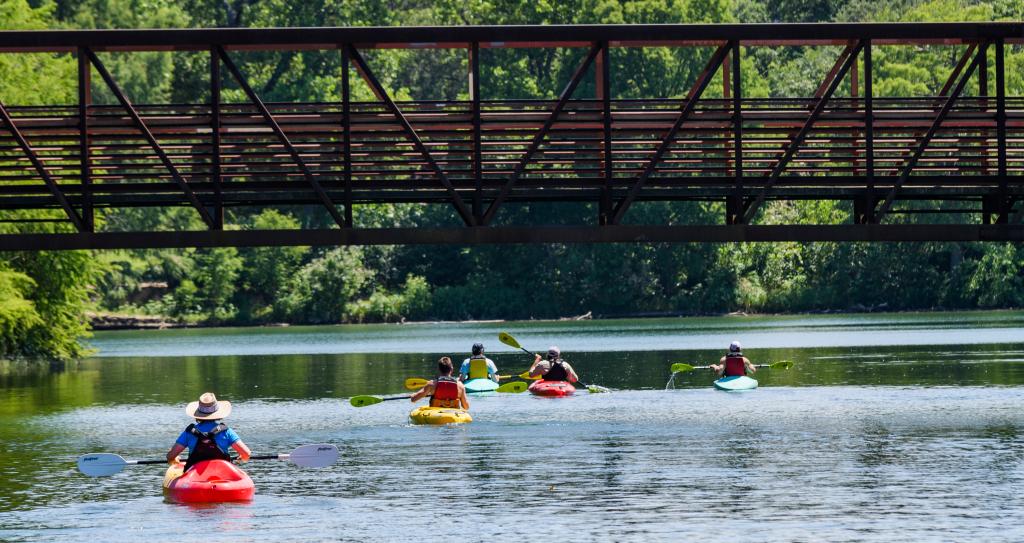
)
(378, 90)
(321, 194)
(38, 164)
(908, 168)
(538, 138)
(148, 135)
(844, 62)
(687, 109)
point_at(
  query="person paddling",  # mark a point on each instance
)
(554, 368)
(207, 438)
(733, 363)
(478, 366)
(445, 390)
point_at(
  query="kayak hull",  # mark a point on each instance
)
(210, 481)
(552, 388)
(736, 382)
(480, 386)
(439, 415)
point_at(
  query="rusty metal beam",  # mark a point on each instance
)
(692, 97)
(604, 91)
(41, 168)
(382, 95)
(538, 138)
(85, 164)
(215, 138)
(843, 63)
(886, 204)
(346, 129)
(141, 126)
(502, 235)
(478, 160)
(505, 35)
(269, 118)
(734, 209)
(868, 203)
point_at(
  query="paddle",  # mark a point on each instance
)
(784, 365)
(416, 383)
(317, 455)
(507, 339)
(363, 401)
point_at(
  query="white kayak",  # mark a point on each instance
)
(736, 382)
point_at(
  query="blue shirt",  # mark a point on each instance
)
(223, 439)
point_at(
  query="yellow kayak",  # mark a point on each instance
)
(439, 415)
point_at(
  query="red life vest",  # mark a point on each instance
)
(446, 393)
(734, 366)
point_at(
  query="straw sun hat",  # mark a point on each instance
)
(208, 408)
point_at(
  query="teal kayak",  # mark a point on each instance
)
(480, 386)
(736, 382)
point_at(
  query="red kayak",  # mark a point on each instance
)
(209, 481)
(552, 388)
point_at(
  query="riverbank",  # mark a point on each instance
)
(124, 321)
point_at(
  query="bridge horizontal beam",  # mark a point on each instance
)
(506, 36)
(505, 235)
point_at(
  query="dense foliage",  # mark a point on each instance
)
(322, 285)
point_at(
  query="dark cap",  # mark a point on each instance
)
(478, 348)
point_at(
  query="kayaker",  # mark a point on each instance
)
(445, 390)
(554, 368)
(734, 363)
(208, 438)
(478, 366)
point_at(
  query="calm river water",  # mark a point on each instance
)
(888, 428)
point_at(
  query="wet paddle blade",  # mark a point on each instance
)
(363, 401)
(415, 383)
(676, 368)
(782, 365)
(597, 389)
(509, 340)
(526, 375)
(318, 455)
(514, 388)
(100, 464)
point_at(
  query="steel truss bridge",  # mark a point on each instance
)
(956, 154)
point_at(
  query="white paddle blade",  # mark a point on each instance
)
(100, 464)
(317, 455)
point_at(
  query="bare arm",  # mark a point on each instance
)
(571, 374)
(243, 450)
(719, 368)
(425, 391)
(750, 365)
(534, 371)
(462, 396)
(172, 455)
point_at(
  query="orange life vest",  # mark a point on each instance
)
(446, 393)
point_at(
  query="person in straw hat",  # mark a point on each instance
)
(207, 438)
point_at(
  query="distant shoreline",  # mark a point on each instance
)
(115, 321)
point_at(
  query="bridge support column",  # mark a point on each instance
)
(864, 209)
